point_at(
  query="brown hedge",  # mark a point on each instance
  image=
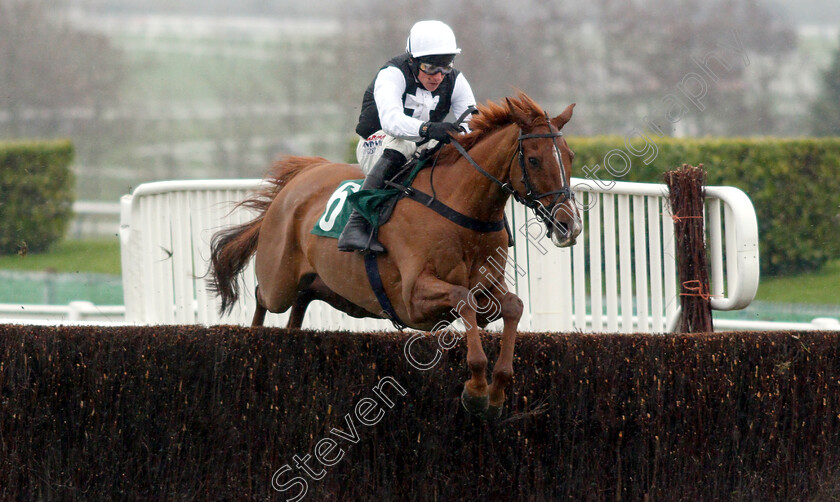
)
(158, 413)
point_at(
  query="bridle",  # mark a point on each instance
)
(530, 199)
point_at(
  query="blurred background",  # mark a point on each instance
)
(180, 89)
(151, 90)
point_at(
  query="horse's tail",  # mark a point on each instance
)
(232, 248)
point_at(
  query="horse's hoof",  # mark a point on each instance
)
(493, 413)
(474, 405)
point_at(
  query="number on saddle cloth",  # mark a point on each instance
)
(337, 212)
(374, 205)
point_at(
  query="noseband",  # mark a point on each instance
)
(531, 199)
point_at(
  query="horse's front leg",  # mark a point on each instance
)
(511, 309)
(431, 295)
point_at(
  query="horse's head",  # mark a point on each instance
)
(542, 170)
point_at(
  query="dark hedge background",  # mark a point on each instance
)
(36, 194)
(792, 183)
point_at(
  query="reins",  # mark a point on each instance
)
(531, 199)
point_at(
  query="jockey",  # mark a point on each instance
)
(405, 105)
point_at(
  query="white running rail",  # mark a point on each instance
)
(620, 276)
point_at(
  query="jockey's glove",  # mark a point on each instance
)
(440, 131)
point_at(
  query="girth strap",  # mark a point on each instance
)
(372, 269)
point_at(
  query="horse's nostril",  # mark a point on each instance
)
(558, 228)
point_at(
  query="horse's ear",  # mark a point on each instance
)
(560, 120)
(522, 119)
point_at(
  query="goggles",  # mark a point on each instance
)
(431, 69)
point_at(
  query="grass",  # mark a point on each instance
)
(822, 287)
(101, 256)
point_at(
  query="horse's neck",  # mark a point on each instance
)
(470, 192)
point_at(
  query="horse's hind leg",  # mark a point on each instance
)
(302, 301)
(317, 290)
(305, 294)
(259, 313)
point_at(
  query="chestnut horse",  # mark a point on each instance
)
(434, 270)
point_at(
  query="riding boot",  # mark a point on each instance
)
(357, 234)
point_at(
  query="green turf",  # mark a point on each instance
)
(101, 256)
(821, 287)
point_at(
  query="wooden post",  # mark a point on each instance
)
(687, 197)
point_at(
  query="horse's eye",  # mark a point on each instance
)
(535, 162)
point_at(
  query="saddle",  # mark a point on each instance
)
(377, 206)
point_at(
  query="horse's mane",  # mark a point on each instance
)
(491, 117)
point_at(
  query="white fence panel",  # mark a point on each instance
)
(620, 276)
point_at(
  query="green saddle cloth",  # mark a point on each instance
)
(349, 196)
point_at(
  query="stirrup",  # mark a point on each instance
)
(373, 245)
(359, 236)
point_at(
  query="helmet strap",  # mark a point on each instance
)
(414, 65)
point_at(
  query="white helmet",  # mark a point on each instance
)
(431, 38)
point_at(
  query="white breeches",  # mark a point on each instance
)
(369, 150)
